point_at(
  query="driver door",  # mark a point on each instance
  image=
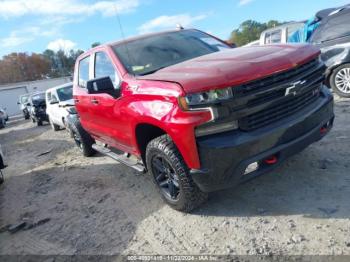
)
(105, 109)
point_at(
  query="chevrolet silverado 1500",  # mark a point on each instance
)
(197, 114)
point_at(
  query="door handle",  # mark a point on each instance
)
(76, 100)
(94, 101)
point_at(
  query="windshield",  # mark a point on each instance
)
(38, 97)
(65, 93)
(147, 55)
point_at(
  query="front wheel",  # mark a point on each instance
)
(54, 126)
(171, 175)
(340, 80)
(26, 114)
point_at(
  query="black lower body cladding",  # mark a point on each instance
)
(225, 157)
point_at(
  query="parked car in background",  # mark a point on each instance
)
(2, 165)
(279, 34)
(3, 117)
(23, 104)
(57, 100)
(37, 108)
(330, 31)
(199, 115)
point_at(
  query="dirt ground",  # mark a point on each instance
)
(97, 206)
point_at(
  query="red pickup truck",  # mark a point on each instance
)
(197, 114)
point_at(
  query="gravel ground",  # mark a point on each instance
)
(77, 205)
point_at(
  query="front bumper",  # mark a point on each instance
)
(225, 157)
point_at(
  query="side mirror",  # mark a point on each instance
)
(53, 102)
(103, 85)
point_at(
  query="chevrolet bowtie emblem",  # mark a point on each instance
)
(294, 88)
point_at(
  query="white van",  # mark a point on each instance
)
(57, 100)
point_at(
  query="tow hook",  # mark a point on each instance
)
(271, 160)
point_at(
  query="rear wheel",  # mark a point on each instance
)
(340, 80)
(171, 175)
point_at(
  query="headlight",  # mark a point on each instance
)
(209, 97)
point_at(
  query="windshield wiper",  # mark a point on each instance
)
(152, 71)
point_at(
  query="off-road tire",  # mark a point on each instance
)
(332, 81)
(86, 141)
(54, 126)
(190, 196)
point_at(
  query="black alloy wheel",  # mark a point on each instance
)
(166, 178)
(172, 176)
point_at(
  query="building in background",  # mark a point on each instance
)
(9, 93)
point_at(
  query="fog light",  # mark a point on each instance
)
(215, 128)
(251, 168)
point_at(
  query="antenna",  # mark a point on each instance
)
(122, 32)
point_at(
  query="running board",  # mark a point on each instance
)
(120, 158)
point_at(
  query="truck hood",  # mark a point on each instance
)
(233, 67)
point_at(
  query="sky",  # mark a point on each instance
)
(35, 25)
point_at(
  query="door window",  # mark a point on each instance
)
(49, 96)
(104, 67)
(54, 98)
(83, 71)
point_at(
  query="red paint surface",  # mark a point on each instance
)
(154, 101)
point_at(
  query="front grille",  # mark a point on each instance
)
(279, 111)
(279, 78)
(264, 101)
